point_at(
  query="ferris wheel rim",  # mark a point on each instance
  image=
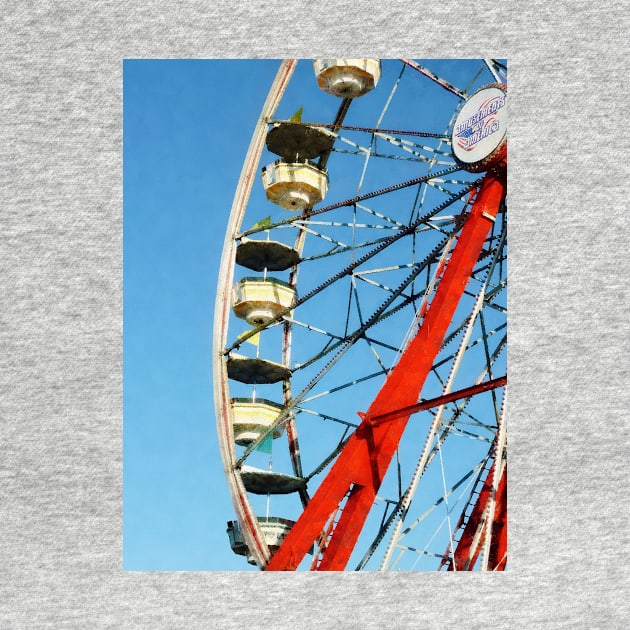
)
(251, 530)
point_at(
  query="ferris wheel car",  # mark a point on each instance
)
(260, 300)
(294, 185)
(294, 141)
(270, 255)
(251, 417)
(256, 371)
(260, 481)
(347, 78)
(273, 528)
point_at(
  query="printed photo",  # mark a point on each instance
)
(315, 315)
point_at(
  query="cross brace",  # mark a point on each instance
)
(467, 392)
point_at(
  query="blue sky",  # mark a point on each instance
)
(187, 125)
(182, 159)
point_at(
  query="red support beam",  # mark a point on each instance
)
(467, 551)
(335, 557)
(465, 555)
(467, 392)
(498, 548)
(362, 464)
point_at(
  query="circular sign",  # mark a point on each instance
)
(480, 131)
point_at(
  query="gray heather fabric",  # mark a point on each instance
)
(60, 339)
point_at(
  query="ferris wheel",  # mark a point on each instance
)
(360, 334)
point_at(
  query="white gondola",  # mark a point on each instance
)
(259, 300)
(250, 418)
(347, 78)
(294, 185)
(273, 528)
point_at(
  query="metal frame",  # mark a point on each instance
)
(334, 517)
(359, 469)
